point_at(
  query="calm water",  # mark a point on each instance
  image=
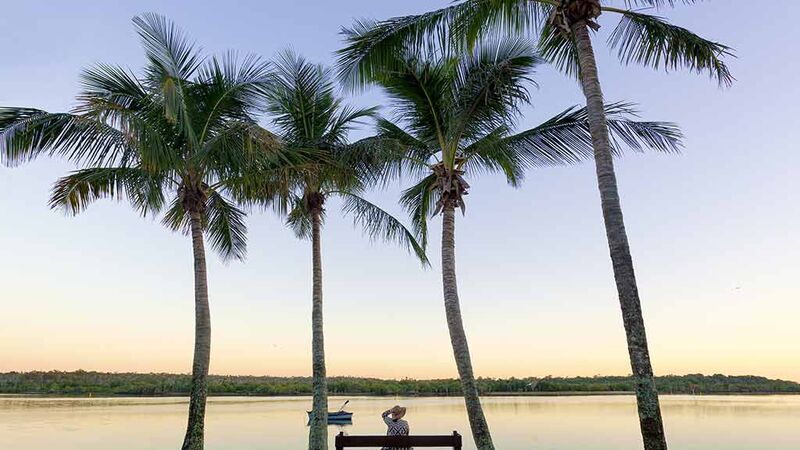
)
(552, 423)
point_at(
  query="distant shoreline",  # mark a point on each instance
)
(102, 384)
(23, 395)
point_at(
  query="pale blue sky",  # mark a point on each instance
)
(714, 232)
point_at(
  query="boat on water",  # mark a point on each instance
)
(337, 417)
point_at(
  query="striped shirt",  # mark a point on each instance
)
(396, 428)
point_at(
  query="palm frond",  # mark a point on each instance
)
(167, 47)
(241, 147)
(492, 153)
(420, 91)
(390, 130)
(345, 119)
(379, 224)
(565, 138)
(419, 201)
(107, 90)
(391, 154)
(657, 3)
(652, 41)
(476, 20)
(26, 133)
(74, 192)
(559, 49)
(301, 100)
(269, 189)
(175, 217)
(372, 48)
(665, 137)
(299, 220)
(113, 96)
(225, 227)
(231, 88)
(562, 139)
(489, 85)
(173, 60)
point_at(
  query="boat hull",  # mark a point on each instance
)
(336, 416)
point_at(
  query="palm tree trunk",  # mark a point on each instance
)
(318, 431)
(650, 421)
(477, 421)
(202, 342)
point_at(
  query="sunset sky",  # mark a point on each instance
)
(715, 232)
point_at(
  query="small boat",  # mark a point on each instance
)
(340, 416)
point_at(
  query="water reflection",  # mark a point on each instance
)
(518, 423)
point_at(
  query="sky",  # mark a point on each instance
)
(714, 232)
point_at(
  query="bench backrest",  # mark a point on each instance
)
(444, 441)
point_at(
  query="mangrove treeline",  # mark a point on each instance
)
(155, 384)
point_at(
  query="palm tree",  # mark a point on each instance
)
(310, 118)
(175, 141)
(454, 120)
(564, 40)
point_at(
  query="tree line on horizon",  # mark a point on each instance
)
(181, 139)
(163, 384)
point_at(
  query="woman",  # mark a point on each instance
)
(395, 426)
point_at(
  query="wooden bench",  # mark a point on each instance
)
(445, 441)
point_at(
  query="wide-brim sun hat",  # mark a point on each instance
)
(398, 412)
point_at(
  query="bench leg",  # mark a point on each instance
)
(339, 446)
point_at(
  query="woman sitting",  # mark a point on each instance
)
(395, 425)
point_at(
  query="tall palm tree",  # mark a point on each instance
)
(454, 121)
(175, 141)
(310, 118)
(563, 28)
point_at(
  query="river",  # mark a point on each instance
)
(517, 423)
